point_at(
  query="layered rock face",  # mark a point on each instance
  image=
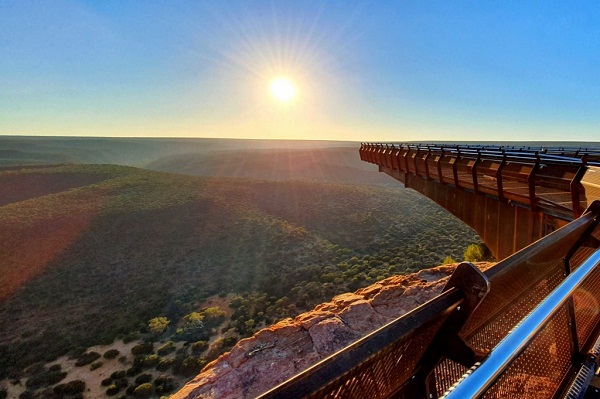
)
(282, 350)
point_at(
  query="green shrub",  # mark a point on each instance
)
(143, 378)
(118, 375)
(189, 366)
(28, 395)
(55, 367)
(199, 346)
(45, 379)
(131, 337)
(478, 253)
(112, 390)
(70, 388)
(158, 325)
(164, 384)
(134, 370)
(111, 353)
(3, 393)
(106, 382)
(164, 364)
(166, 348)
(87, 358)
(448, 259)
(144, 391)
(122, 382)
(145, 348)
(96, 365)
(35, 368)
(151, 360)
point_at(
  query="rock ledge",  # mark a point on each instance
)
(276, 353)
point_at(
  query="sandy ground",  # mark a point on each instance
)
(93, 378)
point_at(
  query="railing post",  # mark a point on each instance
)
(574, 186)
(439, 166)
(499, 177)
(531, 182)
(455, 170)
(426, 165)
(474, 172)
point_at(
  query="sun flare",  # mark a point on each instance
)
(283, 89)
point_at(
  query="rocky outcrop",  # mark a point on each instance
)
(276, 353)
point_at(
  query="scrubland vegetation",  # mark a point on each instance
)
(91, 254)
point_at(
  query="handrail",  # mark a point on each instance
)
(479, 380)
(552, 155)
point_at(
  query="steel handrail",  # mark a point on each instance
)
(483, 377)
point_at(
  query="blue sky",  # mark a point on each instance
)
(364, 70)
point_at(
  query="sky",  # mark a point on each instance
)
(363, 70)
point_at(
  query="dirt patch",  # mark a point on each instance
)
(93, 378)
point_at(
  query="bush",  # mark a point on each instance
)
(151, 360)
(166, 348)
(448, 259)
(199, 346)
(145, 348)
(164, 364)
(112, 390)
(189, 366)
(70, 388)
(144, 391)
(96, 365)
(75, 353)
(111, 353)
(158, 325)
(106, 382)
(3, 393)
(122, 382)
(478, 253)
(118, 375)
(164, 384)
(55, 367)
(87, 358)
(27, 395)
(45, 379)
(143, 379)
(131, 337)
(35, 368)
(134, 370)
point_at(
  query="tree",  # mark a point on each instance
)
(478, 253)
(158, 325)
(193, 327)
(448, 259)
(144, 390)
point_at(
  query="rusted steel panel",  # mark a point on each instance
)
(491, 234)
(506, 229)
(523, 227)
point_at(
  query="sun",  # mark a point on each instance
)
(283, 89)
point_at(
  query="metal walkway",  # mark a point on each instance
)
(511, 196)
